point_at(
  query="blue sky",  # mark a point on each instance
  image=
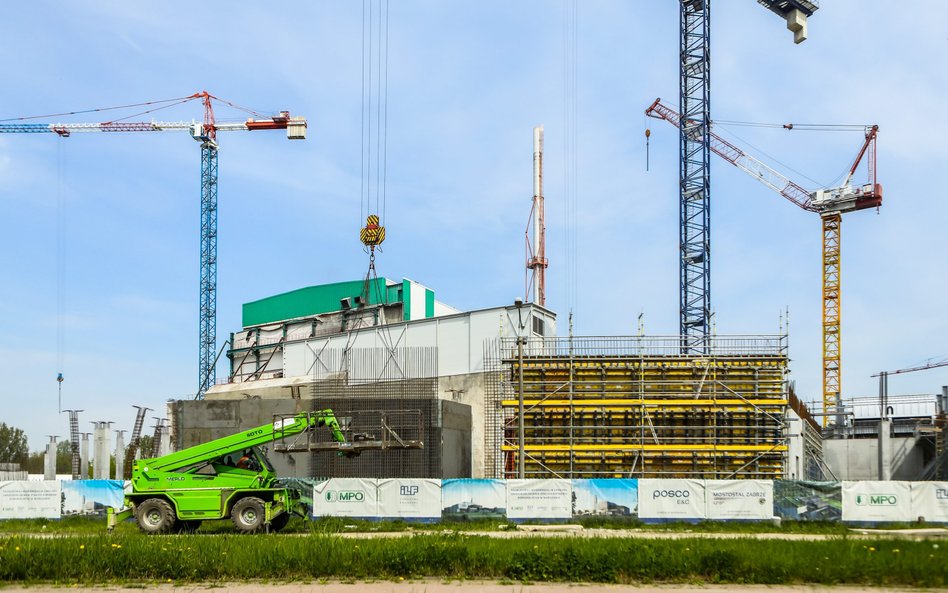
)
(467, 82)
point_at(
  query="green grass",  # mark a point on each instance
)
(132, 558)
(96, 525)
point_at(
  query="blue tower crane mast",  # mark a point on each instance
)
(695, 156)
(205, 133)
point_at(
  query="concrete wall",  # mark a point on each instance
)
(858, 459)
(199, 421)
(796, 461)
(469, 390)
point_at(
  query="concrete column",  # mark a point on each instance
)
(165, 445)
(119, 454)
(84, 456)
(101, 461)
(49, 461)
(885, 450)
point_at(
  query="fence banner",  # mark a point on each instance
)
(672, 500)
(468, 499)
(877, 501)
(612, 497)
(803, 500)
(83, 497)
(346, 497)
(539, 499)
(410, 499)
(740, 499)
(930, 500)
(30, 500)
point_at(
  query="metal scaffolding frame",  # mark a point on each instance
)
(636, 407)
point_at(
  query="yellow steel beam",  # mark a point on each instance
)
(686, 403)
(831, 313)
(686, 447)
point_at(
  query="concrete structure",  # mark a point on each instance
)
(901, 443)
(591, 407)
(294, 353)
(119, 454)
(49, 459)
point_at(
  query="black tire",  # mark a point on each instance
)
(155, 515)
(248, 515)
(189, 526)
(279, 522)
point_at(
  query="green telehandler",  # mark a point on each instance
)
(226, 477)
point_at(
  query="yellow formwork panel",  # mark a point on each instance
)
(648, 416)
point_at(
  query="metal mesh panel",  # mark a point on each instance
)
(363, 384)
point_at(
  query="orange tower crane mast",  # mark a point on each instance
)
(830, 204)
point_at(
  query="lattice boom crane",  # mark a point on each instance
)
(206, 133)
(830, 204)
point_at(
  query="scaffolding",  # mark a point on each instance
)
(597, 407)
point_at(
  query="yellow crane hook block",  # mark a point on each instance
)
(372, 234)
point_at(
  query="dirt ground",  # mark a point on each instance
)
(434, 586)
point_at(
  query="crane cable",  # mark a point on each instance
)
(60, 269)
(161, 104)
(374, 95)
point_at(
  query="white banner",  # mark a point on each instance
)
(409, 498)
(539, 499)
(930, 500)
(671, 499)
(740, 499)
(346, 497)
(877, 501)
(30, 500)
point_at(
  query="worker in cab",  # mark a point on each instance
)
(247, 461)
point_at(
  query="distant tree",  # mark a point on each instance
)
(13, 447)
(145, 446)
(64, 457)
(34, 464)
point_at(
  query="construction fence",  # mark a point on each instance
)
(646, 500)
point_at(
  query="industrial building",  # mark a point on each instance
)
(393, 361)
(372, 351)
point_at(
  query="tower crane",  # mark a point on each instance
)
(694, 84)
(206, 133)
(830, 204)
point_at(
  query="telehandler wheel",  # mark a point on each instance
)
(279, 522)
(155, 516)
(248, 515)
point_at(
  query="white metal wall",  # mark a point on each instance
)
(458, 338)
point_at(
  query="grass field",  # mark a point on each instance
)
(94, 525)
(128, 557)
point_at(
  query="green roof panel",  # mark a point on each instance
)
(315, 300)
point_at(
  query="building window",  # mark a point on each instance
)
(538, 326)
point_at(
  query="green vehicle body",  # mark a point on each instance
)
(227, 477)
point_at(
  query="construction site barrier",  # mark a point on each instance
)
(648, 500)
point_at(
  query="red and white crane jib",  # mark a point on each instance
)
(295, 127)
(845, 198)
(741, 160)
